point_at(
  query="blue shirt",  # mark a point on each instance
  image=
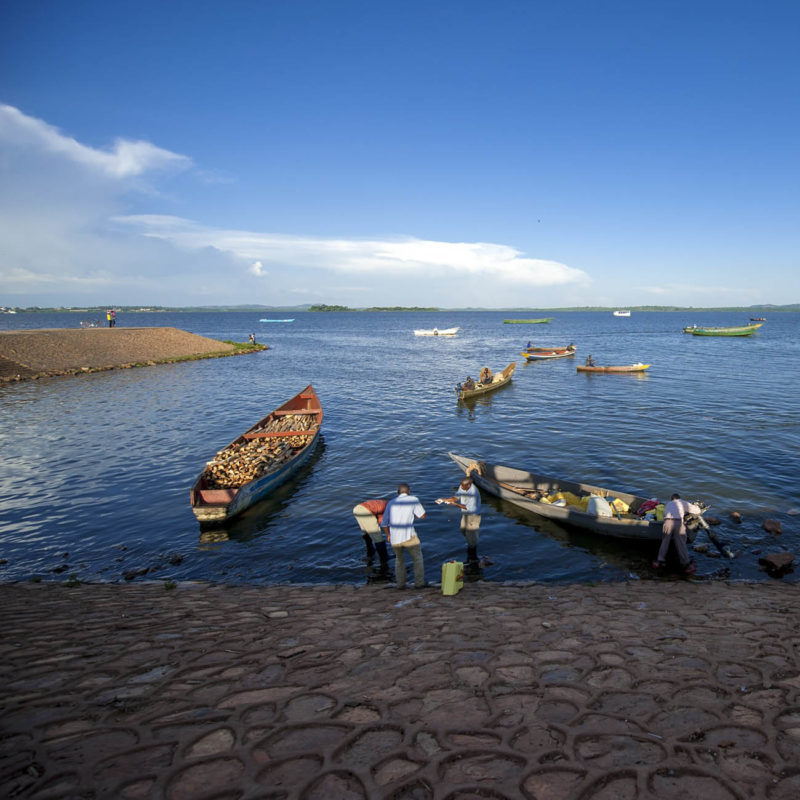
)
(471, 498)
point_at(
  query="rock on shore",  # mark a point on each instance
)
(36, 353)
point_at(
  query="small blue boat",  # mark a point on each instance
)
(277, 320)
(261, 459)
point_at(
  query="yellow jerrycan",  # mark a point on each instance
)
(452, 577)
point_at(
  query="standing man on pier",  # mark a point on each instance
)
(468, 499)
(398, 524)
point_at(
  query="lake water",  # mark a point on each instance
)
(96, 470)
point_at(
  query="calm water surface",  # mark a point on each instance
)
(96, 470)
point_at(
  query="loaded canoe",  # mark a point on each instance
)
(261, 459)
(527, 491)
(623, 368)
(736, 330)
(482, 388)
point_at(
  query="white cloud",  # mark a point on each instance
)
(126, 158)
(407, 256)
(65, 238)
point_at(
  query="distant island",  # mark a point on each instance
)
(372, 308)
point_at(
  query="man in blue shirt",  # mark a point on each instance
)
(398, 524)
(468, 499)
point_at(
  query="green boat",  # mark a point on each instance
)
(737, 330)
(526, 321)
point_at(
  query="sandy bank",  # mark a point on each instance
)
(640, 690)
(38, 353)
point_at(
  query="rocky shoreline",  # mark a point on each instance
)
(44, 353)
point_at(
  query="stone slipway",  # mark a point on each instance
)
(643, 691)
(41, 353)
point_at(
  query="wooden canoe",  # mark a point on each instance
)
(544, 355)
(526, 490)
(570, 347)
(482, 388)
(623, 368)
(527, 321)
(736, 330)
(259, 460)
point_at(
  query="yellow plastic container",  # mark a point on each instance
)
(452, 577)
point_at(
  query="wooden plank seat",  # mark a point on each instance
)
(274, 434)
(295, 411)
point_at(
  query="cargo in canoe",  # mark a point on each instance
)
(258, 461)
(479, 388)
(528, 491)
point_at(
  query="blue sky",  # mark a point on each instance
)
(530, 154)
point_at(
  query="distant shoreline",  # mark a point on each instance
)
(765, 309)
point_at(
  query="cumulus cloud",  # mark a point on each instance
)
(406, 256)
(67, 237)
(125, 159)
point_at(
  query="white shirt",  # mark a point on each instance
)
(399, 517)
(675, 509)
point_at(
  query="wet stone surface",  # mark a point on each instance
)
(632, 692)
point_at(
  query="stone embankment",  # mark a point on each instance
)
(45, 353)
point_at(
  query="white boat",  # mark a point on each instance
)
(436, 332)
(276, 320)
(623, 313)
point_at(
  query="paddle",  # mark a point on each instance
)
(701, 523)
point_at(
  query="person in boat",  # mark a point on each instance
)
(674, 531)
(590, 362)
(571, 347)
(398, 525)
(485, 376)
(468, 384)
(369, 515)
(435, 331)
(468, 499)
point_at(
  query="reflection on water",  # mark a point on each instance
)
(255, 521)
(99, 467)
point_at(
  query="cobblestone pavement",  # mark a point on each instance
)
(625, 691)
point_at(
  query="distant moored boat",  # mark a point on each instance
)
(622, 313)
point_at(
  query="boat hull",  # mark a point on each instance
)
(507, 483)
(527, 321)
(546, 355)
(624, 368)
(740, 330)
(214, 505)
